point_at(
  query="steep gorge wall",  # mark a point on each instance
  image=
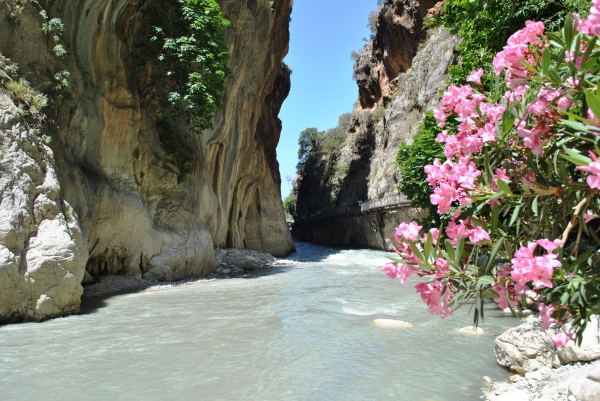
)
(399, 75)
(115, 192)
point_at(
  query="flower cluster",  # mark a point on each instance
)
(591, 26)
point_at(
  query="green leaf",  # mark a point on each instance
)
(503, 186)
(428, 245)
(528, 66)
(493, 254)
(491, 293)
(416, 250)
(554, 77)
(577, 126)
(556, 38)
(515, 215)
(546, 59)
(534, 205)
(592, 101)
(485, 280)
(576, 158)
(568, 30)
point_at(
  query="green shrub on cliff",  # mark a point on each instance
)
(288, 201)
(485, 25)
(193, 56)
(188, 48)
(412, 159)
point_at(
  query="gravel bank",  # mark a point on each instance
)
(542, 385)
(230, 263)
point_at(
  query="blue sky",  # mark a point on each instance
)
(323, 34)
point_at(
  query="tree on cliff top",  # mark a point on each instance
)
(308, 143)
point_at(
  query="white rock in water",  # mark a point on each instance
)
(471, 330)
(488, 379)
(590, 346)
(391, 323)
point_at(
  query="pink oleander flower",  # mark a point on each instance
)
(443, 265)
(400, 271)
(550, 246)
(431, 294)
(589, 216)
(516, 50)
(528, 268)
(591, 25)
(593, 180)
(561, 338)
(546, 315)
(502, 301)
(475, 76)
(409, 231)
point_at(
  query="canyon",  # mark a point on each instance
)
(90, 190)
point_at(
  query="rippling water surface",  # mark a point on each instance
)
(295, 333)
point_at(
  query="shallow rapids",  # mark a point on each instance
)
(302, 332)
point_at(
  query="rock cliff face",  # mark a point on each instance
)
(103, 195)
(399, 74)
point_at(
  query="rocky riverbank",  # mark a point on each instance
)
(547, 384)
(231, 263)
(546, 373)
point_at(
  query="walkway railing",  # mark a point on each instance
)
(390, 201)
(385, 202)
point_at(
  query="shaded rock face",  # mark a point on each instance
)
(132, 214)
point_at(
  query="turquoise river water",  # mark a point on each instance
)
(299, 332)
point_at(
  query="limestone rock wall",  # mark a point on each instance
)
(132, 214)
(42, 249)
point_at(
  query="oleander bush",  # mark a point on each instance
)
(520, 182)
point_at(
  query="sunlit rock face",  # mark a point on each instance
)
(400, 31)
(130, 213)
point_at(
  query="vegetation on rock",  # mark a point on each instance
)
(191, 56)
(411, 161)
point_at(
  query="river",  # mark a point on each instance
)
(300, 332)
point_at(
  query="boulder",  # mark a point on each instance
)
(589, 349)
(525, 348)
(247, 263)
(391, 323)
(585, 389)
